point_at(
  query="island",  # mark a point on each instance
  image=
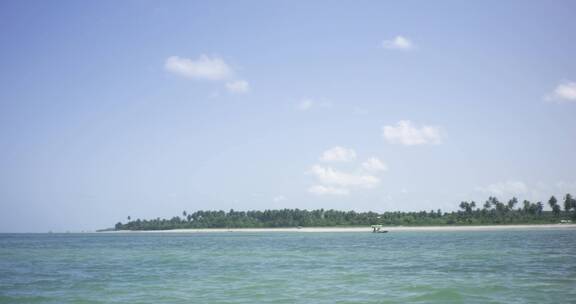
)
(492, 212)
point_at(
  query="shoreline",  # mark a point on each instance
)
(358, 229)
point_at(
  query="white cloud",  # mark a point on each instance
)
(564, 92)
(238, 86)
(279, 198)
(326, 190)
(338, 154)
(330, 176)
(408, 134)
(374, 164)
(205, 67)
(398, 43)
(507, 188)
(306, 104)
(337, 182)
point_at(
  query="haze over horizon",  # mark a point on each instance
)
(111, 109)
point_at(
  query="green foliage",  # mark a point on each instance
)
(493, 212)
(553, 202)
(569, 202)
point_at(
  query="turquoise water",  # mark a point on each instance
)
(535, 266)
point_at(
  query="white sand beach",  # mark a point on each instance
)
(361, 229)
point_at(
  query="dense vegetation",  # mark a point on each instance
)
(492, 212)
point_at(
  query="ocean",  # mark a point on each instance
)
(526, 266)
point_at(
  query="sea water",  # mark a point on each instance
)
(528, 266)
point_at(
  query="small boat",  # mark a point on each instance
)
(378, 229)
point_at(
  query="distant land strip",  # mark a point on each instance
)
(492, 212)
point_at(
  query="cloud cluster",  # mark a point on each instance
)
(325, 190)
(373, 164)
(332, 181)
(408, 134)
(238, 86)
(206, 68)
(279, 198)
(398, 43)
(564, 92)
(338, 154)
(306, 104)
(330, 176)
(202, 68)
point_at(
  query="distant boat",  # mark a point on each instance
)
(378, 229)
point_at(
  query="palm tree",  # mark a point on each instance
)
(556, 210)
(512, 203)
(539, 207)
(553, 202)
(526, 206)
(568, 202)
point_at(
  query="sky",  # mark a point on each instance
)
(111, 109)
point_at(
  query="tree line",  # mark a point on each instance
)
(492, 212)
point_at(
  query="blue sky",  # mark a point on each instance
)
(148, 108)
